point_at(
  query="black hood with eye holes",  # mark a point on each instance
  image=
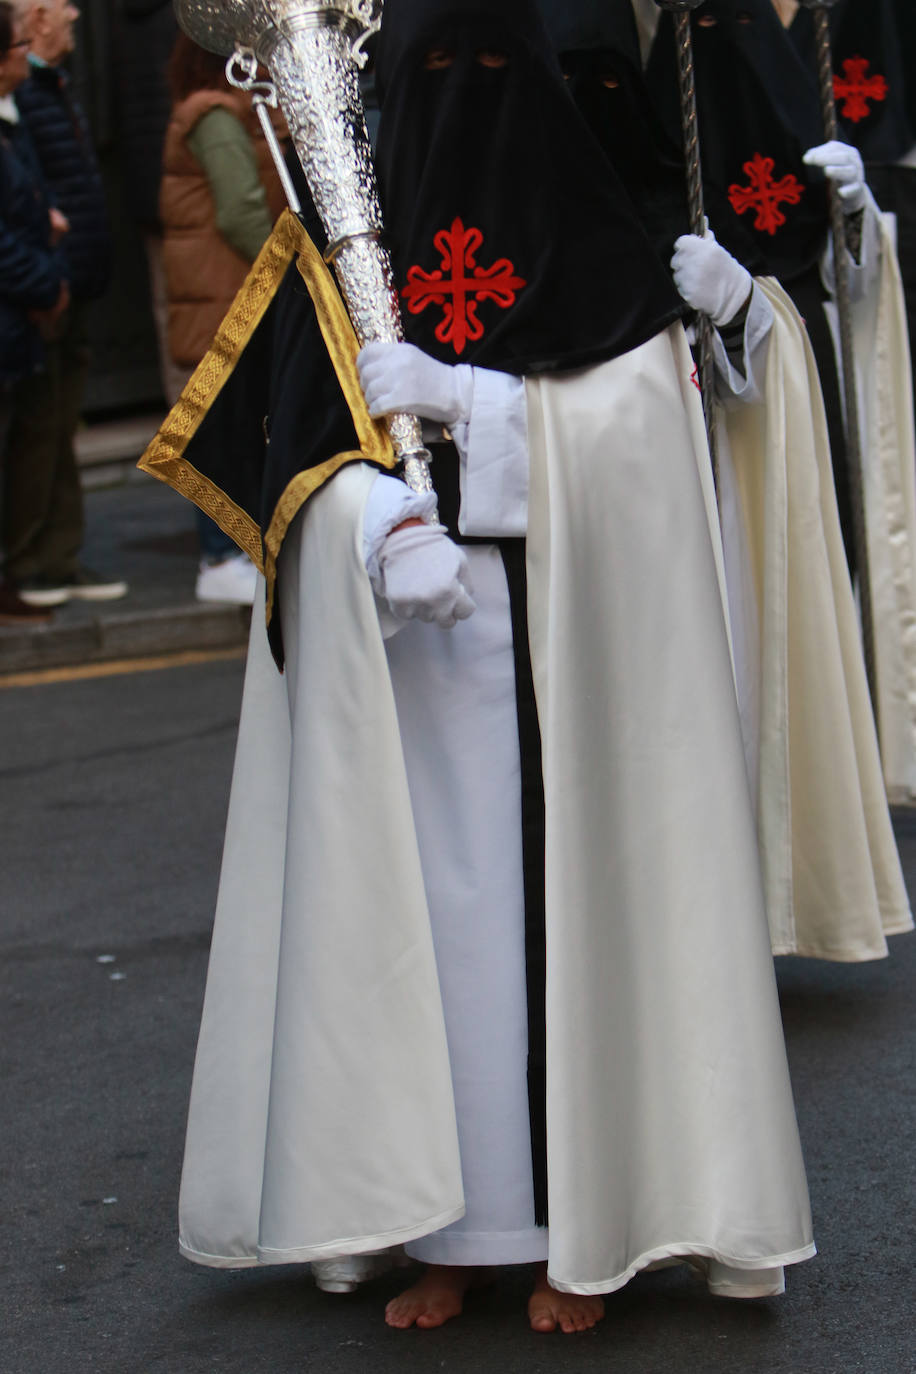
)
(759, 112)
(514, 244)
(598, 47)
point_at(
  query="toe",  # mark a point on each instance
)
(399, 1314)
(427, 1320)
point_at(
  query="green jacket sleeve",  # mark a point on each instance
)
(223, 148)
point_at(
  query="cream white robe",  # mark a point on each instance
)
(885, 396)
(832, 876)
(661, 996)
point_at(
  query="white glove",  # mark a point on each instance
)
(709, 278)
(843, 164)
(425, 576)
(398, 377)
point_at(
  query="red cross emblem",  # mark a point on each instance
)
(857, 89)
(764, 195)
(459, 284)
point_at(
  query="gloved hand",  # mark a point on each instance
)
(842, 164)
(709, 278)
(425, 576)
(398, 377)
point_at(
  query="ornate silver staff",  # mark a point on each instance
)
(313, 52)
(680, 13)
(819, 14)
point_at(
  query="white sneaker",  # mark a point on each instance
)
(231, 582)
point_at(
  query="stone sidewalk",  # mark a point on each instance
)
(138, 529)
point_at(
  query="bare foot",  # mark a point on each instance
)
(549, 1309)
(435, 1298)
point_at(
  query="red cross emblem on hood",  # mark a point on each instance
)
(459, 284)
(857, 89)
(764, 195)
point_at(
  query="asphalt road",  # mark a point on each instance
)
(113, 802)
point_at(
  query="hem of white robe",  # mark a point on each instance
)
(833, 956)
(482, 1247)
(760, 1283)
(334, 1249)
(685, 1251)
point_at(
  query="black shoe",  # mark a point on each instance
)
(81, 585)
(85, 585)
(43, 592)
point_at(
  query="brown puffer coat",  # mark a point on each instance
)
(202, 272)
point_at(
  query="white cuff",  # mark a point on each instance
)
(864, 272)
(493, 449)
(390, 501)
(731, 386)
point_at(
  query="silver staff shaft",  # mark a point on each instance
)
(242, 73)
(263, 112)
(680, 13)
(819, 14)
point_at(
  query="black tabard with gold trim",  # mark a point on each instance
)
(274, 409)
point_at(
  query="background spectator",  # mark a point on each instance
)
(220, 196)
(43, 515)
(33, 287)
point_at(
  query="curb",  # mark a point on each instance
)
(167, 631)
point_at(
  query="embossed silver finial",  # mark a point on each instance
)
(313, 51)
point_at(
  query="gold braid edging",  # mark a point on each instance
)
(374, 443)
(165, 456)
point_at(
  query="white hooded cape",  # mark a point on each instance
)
(322, 1118)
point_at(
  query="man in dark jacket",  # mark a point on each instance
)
(43, 510)
(33, 286)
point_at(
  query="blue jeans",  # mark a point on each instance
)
(215, 546)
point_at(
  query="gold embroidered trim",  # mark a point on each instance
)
(294, 497)
(164, 457)
(375, 445)
(342, 346)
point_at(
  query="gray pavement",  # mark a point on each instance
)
(140, 530)
(114, 795)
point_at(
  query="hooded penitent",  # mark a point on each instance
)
(868, 75)
(476, 122)
(598, 48)
(758, 113)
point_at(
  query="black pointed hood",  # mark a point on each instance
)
(598, 46)
(868, 75)
(514, 245)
